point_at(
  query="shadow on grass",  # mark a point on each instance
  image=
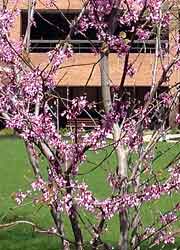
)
(25, 239)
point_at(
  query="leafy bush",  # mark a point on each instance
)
(6, 132)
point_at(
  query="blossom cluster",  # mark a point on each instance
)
(76, 107)
(59, 55)
(101, 15)
(7, 19)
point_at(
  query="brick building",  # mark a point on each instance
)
(71, 80)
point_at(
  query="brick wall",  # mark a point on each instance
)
(78, 75)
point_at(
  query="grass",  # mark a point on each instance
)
(16, 174)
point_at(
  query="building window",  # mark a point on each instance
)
(52, 28)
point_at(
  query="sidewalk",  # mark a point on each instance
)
(168, 138)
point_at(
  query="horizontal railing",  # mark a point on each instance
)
(86, 46)
(79, 46)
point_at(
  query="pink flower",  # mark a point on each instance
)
(131, 70)
(59, 55)
(143, 34)
(178, 119)
(168, 218)
(165, 237)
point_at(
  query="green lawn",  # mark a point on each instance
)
(16, 174)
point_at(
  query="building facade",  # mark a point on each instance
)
(74, 74)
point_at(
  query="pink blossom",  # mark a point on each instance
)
(143, 34)
(178, 118)
(59, 55)
(168, 218)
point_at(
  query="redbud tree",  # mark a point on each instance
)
(26, 92)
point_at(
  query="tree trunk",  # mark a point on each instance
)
(123, 215)
(76, 229)
(174, 109)
(121, 152)
(73, 217)
(60, 227)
